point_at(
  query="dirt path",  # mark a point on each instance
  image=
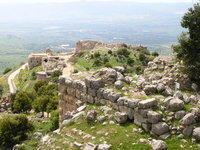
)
(67, 71)
(11, 84)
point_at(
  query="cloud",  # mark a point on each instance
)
(65, 1)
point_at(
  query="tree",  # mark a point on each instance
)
(45, 104)
(188, 50)
(22, 103)
(39, 84)
(13, 130)
(155, 54)
(7, 70)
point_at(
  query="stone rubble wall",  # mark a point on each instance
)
(74, 93)
(97, 45)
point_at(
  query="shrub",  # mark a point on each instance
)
(39, 84)
(97, 62)
(55, 75)
(110, 52)
(108, 65)
(7, 70)
(75, 71)
(54, 119)
(130, 61)
(22, 103)
(97, 55)
(105, 60)
(13, 130)
(155, 54)
(123, 52)
(33, 76)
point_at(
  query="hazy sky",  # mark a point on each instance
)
(48, 1)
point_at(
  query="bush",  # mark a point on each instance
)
(130, 61)
(54, 119)
(123, 52)
(97, 55)
(155, 54)
(108, 65)
(110, 52)
(75, 71)
(97, 62)
(7, 70)
(22, 103)
(13, 130)
(33, 76)
(55, 76)
(39, 84)
(105, 60)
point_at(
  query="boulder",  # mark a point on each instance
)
(188, 130)
(178, 94)
(176, 104)
(160, 87)
(150, 89)
(121, 117)
(149, 103)
(196, 133)
(118, 84)
(188, 119)
(158, 145)
(153, 117)
(45, 139)
(91, 116)
(90, 146)
(160, 128)
(180, 114)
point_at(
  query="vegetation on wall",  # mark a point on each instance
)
(131, 60)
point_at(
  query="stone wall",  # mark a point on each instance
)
(97, 45)
(35, 59)
(155, 115)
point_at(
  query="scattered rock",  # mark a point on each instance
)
(180, 114)
(188, 130)
(160, 128)
(45, 139)
(154, 117)
(91, 116)
(158, 145)
(188, 119)
(196, 133)
(90, 146)
(37, 135)
(149, 103)
(103, 147)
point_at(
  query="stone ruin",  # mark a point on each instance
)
(5, 103)
(146, 113)
(96, 45)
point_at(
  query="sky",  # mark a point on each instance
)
(64, 1)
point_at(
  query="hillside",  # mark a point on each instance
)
(122, 97)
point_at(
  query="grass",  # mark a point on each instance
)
(24, 80)
(86, 61)
(121, 137)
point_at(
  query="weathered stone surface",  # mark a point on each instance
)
(188, 130)
(119, 69)
(176, 104)
(147, 103)
(120, 117)
(104, 147)
(118, 84)
(153, 117)
(158, 145)
(90, 146)
(160, 87)
(150, 89)
(91, 116)
(196, 133)
(188, 119)
(180, 114)
(179, 95)
(113, 96)
(160, 128)
(139, 119)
